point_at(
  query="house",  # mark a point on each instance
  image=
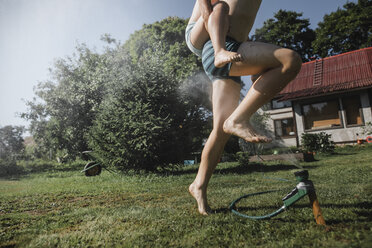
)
(332, 95)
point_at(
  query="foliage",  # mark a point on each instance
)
(317, 142)
(9, 167)
(243, 158)
(145, 124)
(11, 142)
(150, 117)
(367, 128)
(288, 30)
(345, 30)
(22, 167)
(68, 104)
(166, 36)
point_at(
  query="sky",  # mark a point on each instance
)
(34, 33)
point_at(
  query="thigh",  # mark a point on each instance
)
(258, 57)
(199, 34)
(225, 99)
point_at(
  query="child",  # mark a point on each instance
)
(210, 22)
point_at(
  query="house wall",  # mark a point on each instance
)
(278, 114)
(366, 105)
(339, 135)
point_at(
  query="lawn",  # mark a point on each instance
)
(67, 209)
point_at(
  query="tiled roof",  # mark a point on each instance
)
(347, 71)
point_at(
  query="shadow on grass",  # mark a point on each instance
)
(257, 167)
(344, 154)
(363, 210)
(365, 205)
(240, 169)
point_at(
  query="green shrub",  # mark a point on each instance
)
(37, 165)
(228, 157)
(10, 168)
(145, 124)
(243, 158)
(317, 142)
(367, 129)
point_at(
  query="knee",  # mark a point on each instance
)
(221, 6)
(292, 63)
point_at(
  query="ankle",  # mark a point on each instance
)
(218, 51)
(196, 186)
(229, 123)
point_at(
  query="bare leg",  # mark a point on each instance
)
(278, 67)
(218, 26)
(225, 99)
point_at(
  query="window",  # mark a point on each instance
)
(284, 127)
(321, 115)
(284, 104)
(353, 110)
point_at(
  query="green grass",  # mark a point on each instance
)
(67, 209)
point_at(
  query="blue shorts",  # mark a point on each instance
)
(208, 61)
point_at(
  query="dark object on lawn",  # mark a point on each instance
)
(303, 188)
(92, 168)
(308, 156)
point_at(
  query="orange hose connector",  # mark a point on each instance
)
(316, 209)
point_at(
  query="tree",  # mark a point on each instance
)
(63, 120)
(345, 30)
(69, 102)
(11, 142)
(288, 30)
(168, 36)
(145, 124)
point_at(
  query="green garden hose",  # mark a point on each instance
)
(232, 207)
(303, 188)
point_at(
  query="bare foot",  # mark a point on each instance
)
(245, 131)
(201, 199)
(223, 57)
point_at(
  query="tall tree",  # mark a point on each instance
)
(168, 36)
(11, 141)
(69, 103)
(149, 118)
(345, 30)
(288, 30)
(71, 100)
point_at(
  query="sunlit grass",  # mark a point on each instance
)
(67, 209)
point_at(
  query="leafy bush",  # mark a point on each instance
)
(317, 142)
(22, 167)
(243, 158)
(228, 157)
(10, 168)
(367, 129)
(146, 124)
(37, 165)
